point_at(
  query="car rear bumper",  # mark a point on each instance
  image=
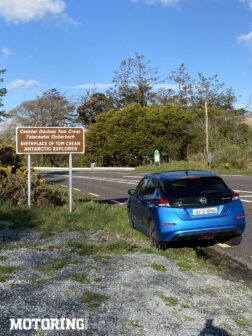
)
(220, 233)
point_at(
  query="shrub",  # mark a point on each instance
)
(231, 156)
(13, 187)
(8, 157)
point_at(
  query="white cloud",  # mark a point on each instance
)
(22, 11)
(162, 2)
(23, 84)
(249, 2)
(5, 52)
(104, 86)
(165, 86)
(90, 86)
(245, 38)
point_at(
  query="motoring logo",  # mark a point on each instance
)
(48, 324)
(203, 200)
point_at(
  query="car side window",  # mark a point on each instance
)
(152, 186)
(142, 187)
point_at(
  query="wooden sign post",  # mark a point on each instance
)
(50, 140)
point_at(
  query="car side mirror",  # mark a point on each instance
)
(132, 192)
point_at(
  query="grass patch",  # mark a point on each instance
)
(88, 216)
(241, 322)
(91, 217)
(48, 247)
(97, 280)
(185, 305)
(188, 318)
(6, 271)
(209, 290)
(157, 267)
(93, 300)
(120, 247)
(126, 285)
(228, 327)
(15, 246)
(134, 324)
(105, 259)
(71, 292)
(185, 265)
(4, 278)
(39, 281)
(191, 165)
(2, 258)
(171, 301)
(80, 277)
(55, 266)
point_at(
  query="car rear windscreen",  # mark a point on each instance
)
(190, 190)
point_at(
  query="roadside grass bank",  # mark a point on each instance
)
(192, 165)
(107, 231)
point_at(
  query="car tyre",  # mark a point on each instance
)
(154, 241)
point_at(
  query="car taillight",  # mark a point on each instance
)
(235, 196)
(168, 224)
(240, 217)
(162, 202)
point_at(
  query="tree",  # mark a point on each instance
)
(50, 109)
(125, 137)
(187, 91)
(92, 104)
(133, 82)
(182, 92)
(213, 91)
(3, 92)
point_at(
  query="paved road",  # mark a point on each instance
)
(113, 186)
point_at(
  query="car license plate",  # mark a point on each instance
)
(205, 211)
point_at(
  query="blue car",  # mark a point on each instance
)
(186, 205)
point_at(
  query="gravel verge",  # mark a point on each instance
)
(136, 294)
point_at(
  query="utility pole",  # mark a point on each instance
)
(208, 154)
(206, 122)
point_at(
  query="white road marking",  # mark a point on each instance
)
(243, 191)
(246, 201)
(101, 179)
(76, 189)
(245, 195)
(135, 177)
(224, 245)
(93, 194)
(117, 202)
(230, 175)
(62, 185)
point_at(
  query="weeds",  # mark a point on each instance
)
(81, 277)
(55, 266)
(188, 318)
(120, 247)
(157, 267)
(241, 322)
(171, 301)
(6, 271)
(92, 300)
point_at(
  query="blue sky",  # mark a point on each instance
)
(70, 45)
